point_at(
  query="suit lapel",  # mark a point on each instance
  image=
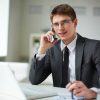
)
(79, 55)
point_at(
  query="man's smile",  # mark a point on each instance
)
(62, 33)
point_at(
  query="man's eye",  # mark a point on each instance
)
(66, 21)
(56, 24)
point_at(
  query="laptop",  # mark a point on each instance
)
(9, 88)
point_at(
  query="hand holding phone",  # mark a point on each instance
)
(47, 41)
(53, 37)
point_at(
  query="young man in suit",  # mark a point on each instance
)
(82, 71)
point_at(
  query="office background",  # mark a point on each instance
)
(32, 16)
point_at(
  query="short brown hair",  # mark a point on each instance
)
(63, 9)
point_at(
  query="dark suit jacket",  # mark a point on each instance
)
(87, 64)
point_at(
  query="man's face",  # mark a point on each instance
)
(64, 27)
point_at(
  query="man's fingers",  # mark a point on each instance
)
(76, 91)
(72, 87)
(75, 85)
(79, 89)
(68, 85)
(80, 93)
(49, 36)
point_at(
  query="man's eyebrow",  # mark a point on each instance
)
(61, 21)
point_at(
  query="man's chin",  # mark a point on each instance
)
(63, 39)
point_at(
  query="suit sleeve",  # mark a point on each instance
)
(40, 69)
(96, 58)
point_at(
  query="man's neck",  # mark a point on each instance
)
(70, 39)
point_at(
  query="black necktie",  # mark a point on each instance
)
(65, 77)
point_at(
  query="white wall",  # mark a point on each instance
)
(35, 22)
(4, 16)
(14, 31)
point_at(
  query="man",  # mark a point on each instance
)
(82, 60)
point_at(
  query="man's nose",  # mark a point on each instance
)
(60, 26)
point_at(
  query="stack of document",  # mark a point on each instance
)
(98, 96)
(41, 91)
(35, 92)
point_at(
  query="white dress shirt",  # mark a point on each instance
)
(71, 47)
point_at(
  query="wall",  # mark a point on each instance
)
(14, 31)
(35, 22)
(24, 20)
(4, 16)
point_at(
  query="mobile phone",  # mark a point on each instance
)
(54, 36)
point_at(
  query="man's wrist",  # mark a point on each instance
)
(94, 92)
(94, 89)
(42, 50)
(40, 56)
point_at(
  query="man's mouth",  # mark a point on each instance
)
(62, 33)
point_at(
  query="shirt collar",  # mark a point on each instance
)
(71, 46)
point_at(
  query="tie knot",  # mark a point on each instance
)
(66, 49)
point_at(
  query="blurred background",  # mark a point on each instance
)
(22, 19)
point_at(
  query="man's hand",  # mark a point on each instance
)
(79, 89)
(45, 43)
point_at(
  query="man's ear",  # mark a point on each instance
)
(75, 22)
(53, 30)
